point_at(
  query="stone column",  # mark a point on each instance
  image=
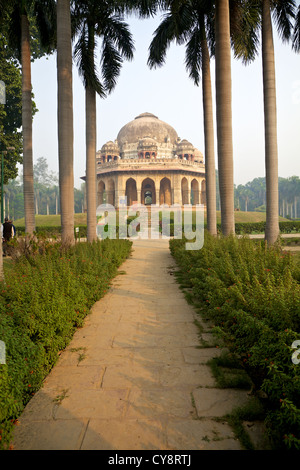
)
(119, 190)
(177, 197)
(188, 192)
(157, 202)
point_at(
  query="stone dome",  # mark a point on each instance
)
(185, 146)
(198, 155)
(147, 125)
(110, 147)
(146, 143)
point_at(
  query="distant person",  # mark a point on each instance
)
(7, 234)
(8, 230)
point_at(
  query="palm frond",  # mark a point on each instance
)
(283, 12)
(296, 33)
(141, 8)
(193, 55)
(163, 36)
(210, 33)
(245, 34)
(175, 26)
(119, 34)
(45, 15)
(14, 30)
(84, 57)
(111, 63)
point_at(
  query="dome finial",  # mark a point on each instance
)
(146, 115)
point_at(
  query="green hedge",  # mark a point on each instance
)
(252, 295)
(248, 227)
(240, 228)
(46, 296)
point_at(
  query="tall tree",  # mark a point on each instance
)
(96, 20)
(283, 12)
(224, 115)
(65, 120)
(188, 22)
(18, 13)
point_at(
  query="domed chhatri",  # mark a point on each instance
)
(149, 164)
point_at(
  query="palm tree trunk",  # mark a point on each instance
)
(1, 261)
(210, 170)
(27, 127)
(91, 163)
(271, 152)
(65, 120)
(224, 116)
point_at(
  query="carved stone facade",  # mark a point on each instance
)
(149, 164)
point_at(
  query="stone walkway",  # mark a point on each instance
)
(134, 377)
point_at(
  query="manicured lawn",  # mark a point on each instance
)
(51, 220)
(80, 219)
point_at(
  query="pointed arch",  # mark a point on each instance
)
(131, 191)
(165, 193)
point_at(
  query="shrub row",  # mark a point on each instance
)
(250, 227)
(46, 295)
(240, 228)
(252, 294)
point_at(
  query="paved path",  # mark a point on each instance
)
(134, 377)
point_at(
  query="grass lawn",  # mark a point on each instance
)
(80, 219)
(51, 220)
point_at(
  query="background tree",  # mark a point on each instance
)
(44, 180)
(11, 111)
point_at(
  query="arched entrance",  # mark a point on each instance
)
(195, 192)
(185, 191)
(101, 193)
(148, 192)
(110, 192)
(165, 196)
(131, 191)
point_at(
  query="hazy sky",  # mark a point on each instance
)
(168, 93)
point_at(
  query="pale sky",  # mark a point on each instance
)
(168, 93)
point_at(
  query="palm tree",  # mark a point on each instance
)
(284, 11)
(224, 115)
(20, 13)
(65, 120)
(189, 23)
(105, 21)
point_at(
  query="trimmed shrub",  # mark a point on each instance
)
(251, 292)
(47, 294)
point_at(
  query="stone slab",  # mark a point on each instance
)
(218, 402)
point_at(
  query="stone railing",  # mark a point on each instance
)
(133, 162)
